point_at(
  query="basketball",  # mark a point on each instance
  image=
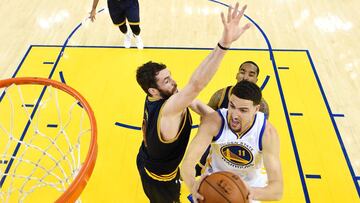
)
(223, 186)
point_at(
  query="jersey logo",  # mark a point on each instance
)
(237, 154)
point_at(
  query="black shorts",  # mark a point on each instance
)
(159, 191)
(124, 9)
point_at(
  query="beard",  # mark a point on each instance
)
(166, 94)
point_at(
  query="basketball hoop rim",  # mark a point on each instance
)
(72, 193)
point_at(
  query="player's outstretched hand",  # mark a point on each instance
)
(232, 29)
(92, 15)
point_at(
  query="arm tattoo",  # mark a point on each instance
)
(264, 107)
(215, 99)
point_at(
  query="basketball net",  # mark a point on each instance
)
(47, 143)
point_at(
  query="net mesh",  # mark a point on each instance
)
(41, 142)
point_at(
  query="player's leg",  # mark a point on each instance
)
(133, 16)
(117, 14)
(167, 191)
(160, 191)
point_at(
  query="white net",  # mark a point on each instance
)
(41, 131)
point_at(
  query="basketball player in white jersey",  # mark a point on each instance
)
(243, 142)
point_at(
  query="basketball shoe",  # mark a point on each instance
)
(138, 42)
(127, 40)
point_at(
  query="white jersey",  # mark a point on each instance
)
(240, 155)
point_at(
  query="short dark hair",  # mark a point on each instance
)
(253, 63)
(146, 75)
(247, 90)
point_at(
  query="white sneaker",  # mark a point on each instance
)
(138, 42)
(127, 40)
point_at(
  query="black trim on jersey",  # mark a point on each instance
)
(261, 134)
(222, 126)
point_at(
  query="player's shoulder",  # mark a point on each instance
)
(270, 130)
(220, 91)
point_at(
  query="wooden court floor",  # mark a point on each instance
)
(310, 79)
(309, 144)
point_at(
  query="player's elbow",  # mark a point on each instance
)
(276, 191)
(278, 195)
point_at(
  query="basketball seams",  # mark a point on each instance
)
(229, 177)
(217, 190)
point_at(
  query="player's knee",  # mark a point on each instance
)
(135, 29)
(123, 28)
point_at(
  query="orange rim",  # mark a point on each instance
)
(76, 187)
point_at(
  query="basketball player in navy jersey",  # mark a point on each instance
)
(249, 71)
(243, 142)
(167, 120)
(120, 11)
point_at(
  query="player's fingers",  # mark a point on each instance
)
(242, 11)
(247, 26)
(199, 196)
(244, 28)
(223, 18)
(229, 14)
(234, 14)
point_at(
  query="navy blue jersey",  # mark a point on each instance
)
(161, 158)
(224, 101)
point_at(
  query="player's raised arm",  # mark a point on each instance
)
(206, 70)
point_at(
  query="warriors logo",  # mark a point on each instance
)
(237, 154)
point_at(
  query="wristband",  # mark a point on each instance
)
(221, 47)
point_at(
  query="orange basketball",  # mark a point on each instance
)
(223, 186)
